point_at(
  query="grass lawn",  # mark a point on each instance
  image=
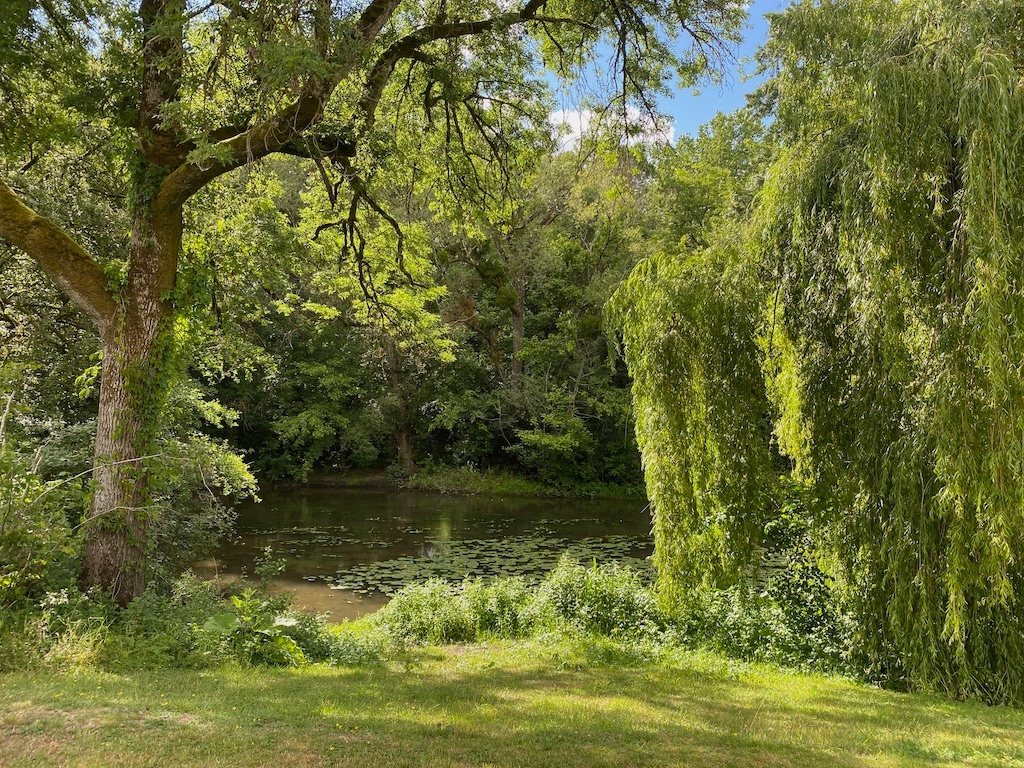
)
(491, 705)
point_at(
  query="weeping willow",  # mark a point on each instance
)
(689, 330)
(886, 324)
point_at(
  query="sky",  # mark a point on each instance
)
(687, 110)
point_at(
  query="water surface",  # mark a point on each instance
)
(346, 550)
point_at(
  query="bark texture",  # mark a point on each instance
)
(133, 384)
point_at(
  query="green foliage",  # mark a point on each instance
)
(38, 542)
(38, 546)
(790, 613)
(858, 332)
(689, 335)
(196, 481)
(530, 389)
(268, 567)
(189, 626)
(159, 629)
(262, 629)
(117, 115)
(431, 612)
(64, 630)
(606, 614)
(890, 224)
(606, 599)
(501, 607)
(254, 632)
(468, 480)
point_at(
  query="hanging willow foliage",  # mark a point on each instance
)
(893, 223)
(890, 233)
(688, 327)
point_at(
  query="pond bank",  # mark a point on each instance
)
(345, 550)
(467, 481)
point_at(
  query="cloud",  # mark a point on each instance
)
(569, 125)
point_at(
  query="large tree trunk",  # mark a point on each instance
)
(135, 374)
(118, 526)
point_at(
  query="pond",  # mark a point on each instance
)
(347, 550)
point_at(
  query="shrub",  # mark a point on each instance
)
(337, 645)
(38, 547)
(609, 599)
(499, 608)
(761, 627)
(432, 612)
(606, 600)
(440, 612)
(160, 629)
(262, 629)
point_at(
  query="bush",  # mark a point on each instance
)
(38, 548)
(760, 627)
(337, 645)
(608, 599)
(432, 612)
(189, 627)
(254, 632)
(262, 629)
(159, 629)
(606, 613)
(499, 608)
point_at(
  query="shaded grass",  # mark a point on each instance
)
(526, 704)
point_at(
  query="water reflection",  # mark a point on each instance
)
(345, 549)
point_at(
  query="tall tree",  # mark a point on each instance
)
(869, 342)
(690, 317)
(191, 90)
(891, 226)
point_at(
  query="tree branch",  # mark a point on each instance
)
(280, 131)
(374, 17)
(408, 47)
(271, 135)
(64, 260)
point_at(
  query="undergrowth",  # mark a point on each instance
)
(610, 612)
(582, 615)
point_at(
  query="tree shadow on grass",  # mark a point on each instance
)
(483, 708)
(611, 717)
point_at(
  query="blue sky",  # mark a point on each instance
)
(689, 112)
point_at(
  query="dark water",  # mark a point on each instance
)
(347, 550)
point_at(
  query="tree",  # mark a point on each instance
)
(891, 226)
(189, 91)
(860, 332)
(689, 317)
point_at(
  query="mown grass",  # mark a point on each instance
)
(535, 703)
